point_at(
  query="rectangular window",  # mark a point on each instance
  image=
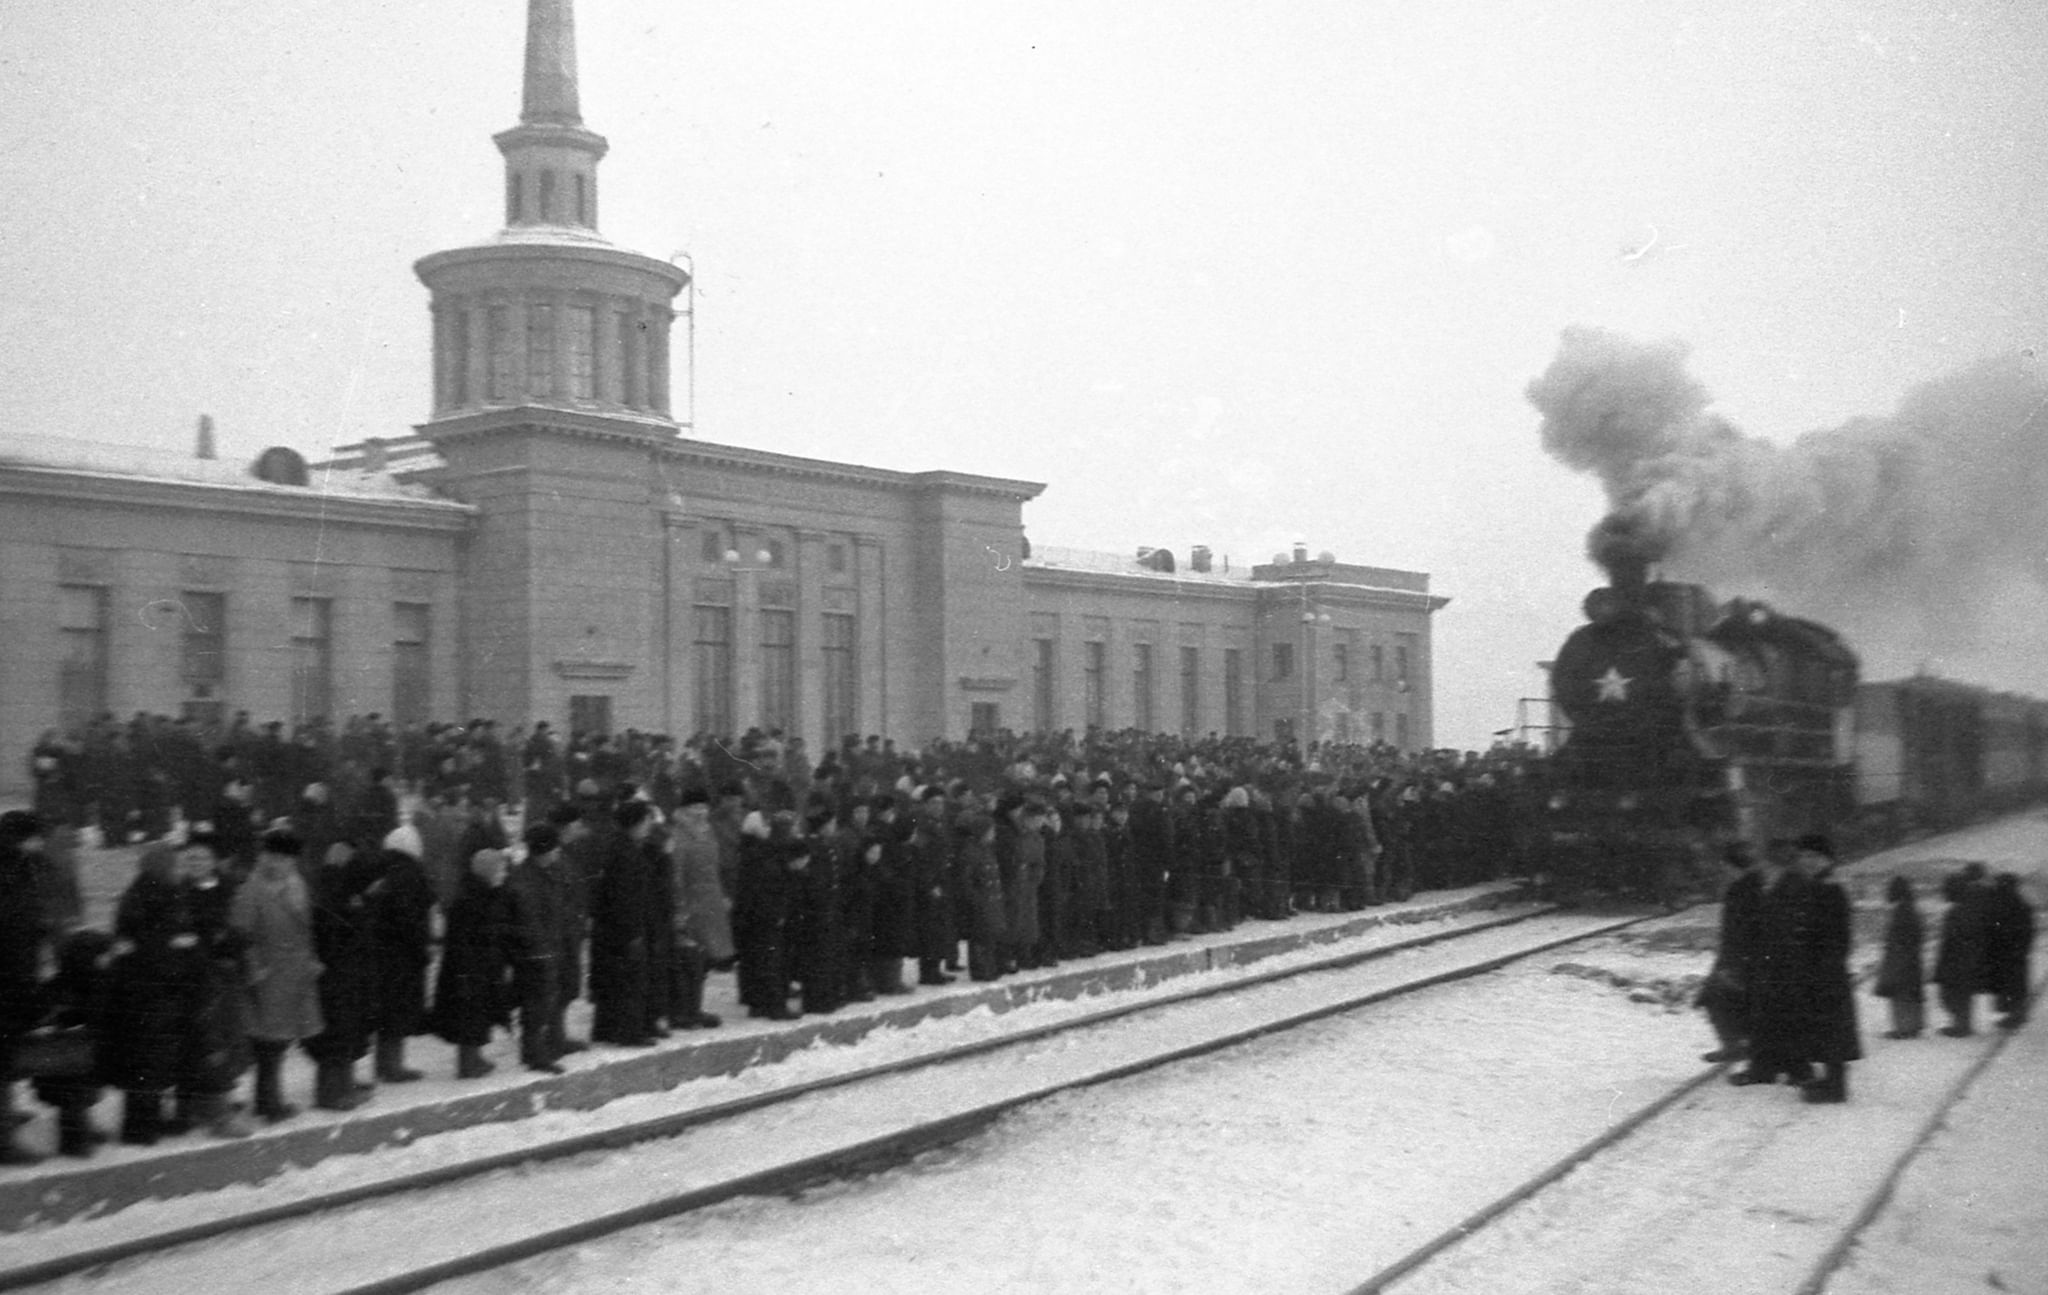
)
(714, 544)
(713, 650)
(1191, 691)
(1233, 691)
(842, 711)
(1379, 726)
(312, 659)
(82, 673)
(1092, 682)
(540, 350)
(1342, 662)
(778, 670)
(582, 200)
(1283, 660)
(1343, 731)
(1401, 729)
(498, 338)
(835, 559)
(203, 653)
(1141, 687)
(984, 718)
(1042, 700)
(590, 713)
(582, 322)
(1401, 664)
(412, 669)
(1379, 664)
(778, 553)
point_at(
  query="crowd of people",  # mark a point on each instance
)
(1779, 995)
(349, 890)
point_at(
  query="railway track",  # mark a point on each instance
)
(632, 1174)
(1806, 1237)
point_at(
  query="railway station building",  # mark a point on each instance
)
(551, 543)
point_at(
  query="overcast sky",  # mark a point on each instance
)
(1234, 274)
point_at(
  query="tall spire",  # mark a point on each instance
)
(550, 64)
(551, 157)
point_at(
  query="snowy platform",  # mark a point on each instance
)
(119, 1176)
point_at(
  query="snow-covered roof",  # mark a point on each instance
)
(152, 463)
(1053, 557)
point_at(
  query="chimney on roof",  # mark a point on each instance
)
(204, 449)
(1198, 558)
(375, 459)
(1300, 551)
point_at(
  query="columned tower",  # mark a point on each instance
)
(549, 314)
(550, 406)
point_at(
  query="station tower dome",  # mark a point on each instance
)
(547, 318)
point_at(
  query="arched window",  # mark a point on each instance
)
(515, 198)
(582, 199)
(547, 197)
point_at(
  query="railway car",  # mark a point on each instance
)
(1932, 753)
(1688, 723)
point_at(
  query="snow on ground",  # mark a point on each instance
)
(1970, 1215)
(1299, 1162)
(886, 1043)
(360, 1244)
(1305, 1162)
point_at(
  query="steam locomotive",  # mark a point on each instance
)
(1689, 723)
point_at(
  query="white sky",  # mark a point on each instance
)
(1226, 274)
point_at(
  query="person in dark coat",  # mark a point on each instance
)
(79, 998)
(160, 974)
(770, 851)
(345, 938)
(988, 934)
(215, 1051)
(893, 933)
(1829, 1007)
(2008, 943)
(931, 854)
(1899, 974)
(472, 987)
(22, 937)
(1151, 859)
(1802, 1010)
(1724, 995)
(1959, 960)
(403, 915)
(816, 948)
(543, 943)
(624, 910)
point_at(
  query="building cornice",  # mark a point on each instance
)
(708, 454)
(625, 426)
(294, 504)
(551, 243)
(1279, 594)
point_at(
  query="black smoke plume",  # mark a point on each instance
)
(1923, 536)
